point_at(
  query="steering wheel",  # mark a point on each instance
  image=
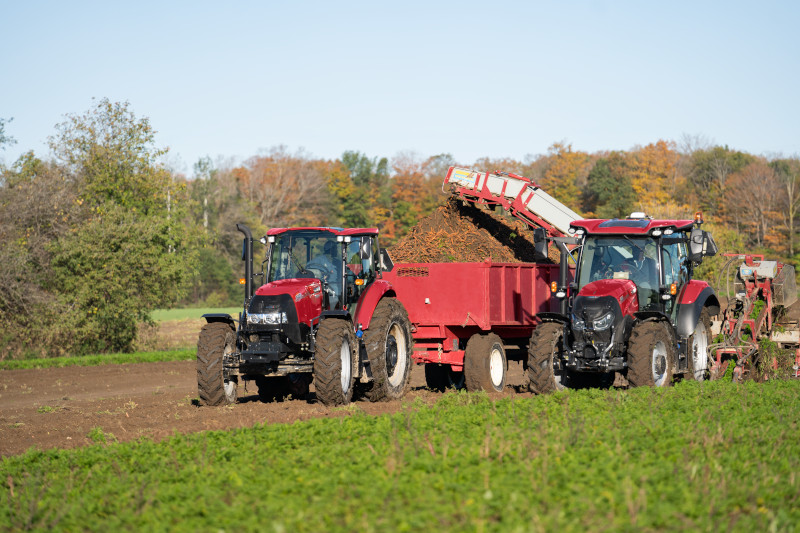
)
(303, 273)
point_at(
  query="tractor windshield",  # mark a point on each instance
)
(616, 257)
(306, 254)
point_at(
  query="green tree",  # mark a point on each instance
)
(100, 234)
(5, 139)
(610, 191)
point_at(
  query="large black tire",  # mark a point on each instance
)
(335, 362)
(651, 355)
(485, 363)
(546, 373)
(389, 347)
(216, 340)
(699, 356)
(440, 378)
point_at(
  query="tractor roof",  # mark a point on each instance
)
(335, 231)
(629, 226)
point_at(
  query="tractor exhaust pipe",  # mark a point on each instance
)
(247, 257)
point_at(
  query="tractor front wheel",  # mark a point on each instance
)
(485, 363)
(546, 372)
(335, 362)
(217, 340)
(389, 347)
(651, 354)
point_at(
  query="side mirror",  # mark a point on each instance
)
(540, 242)
(709, 246)
(365, 250)
(386, 262)
(696, 241)
(701, 244)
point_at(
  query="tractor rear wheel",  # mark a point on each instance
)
(439, 378)
(335, 362)
(485, 363)
(651, 354)
(698, 345)
(217, 340)
(546, 372)
(389, 346)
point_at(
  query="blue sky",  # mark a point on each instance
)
(474, 79)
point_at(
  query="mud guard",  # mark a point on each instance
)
(369, 301)
(552, 317)
(220, 317)
(696, 296)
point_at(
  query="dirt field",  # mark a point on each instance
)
(58, 407)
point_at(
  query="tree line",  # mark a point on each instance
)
(100, 232)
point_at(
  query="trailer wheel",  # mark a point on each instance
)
(216, 341)
(650, 355)
(485, 363)
(698, 345)
(546, 372)
(439, 378)
(389, 347)
(335, 362)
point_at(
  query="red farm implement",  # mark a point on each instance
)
(760, 294)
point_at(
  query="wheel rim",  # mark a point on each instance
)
(700, 351)
(344, 354)
(229, 385)
(558, 371)
(396, 355)
(659, 365)
(496, 367)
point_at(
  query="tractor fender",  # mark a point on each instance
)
(552, 317)
(377, 290)
(695, 296)
(220, 317)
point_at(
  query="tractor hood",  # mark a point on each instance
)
(621, 290)
(288, 305)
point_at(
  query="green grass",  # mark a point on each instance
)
(104, 359)
(695, 457)
(161, 315)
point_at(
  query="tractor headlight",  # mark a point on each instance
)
(577, 323)
(604, 322)
(272, 319)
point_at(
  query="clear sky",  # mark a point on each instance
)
(473, 79)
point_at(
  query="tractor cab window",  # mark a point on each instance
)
(305, 255)
(618, 257)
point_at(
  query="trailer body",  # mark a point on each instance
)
(449, 303)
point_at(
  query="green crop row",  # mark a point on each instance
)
(697, 457)
(105, 359)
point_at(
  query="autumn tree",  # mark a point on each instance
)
(708, 172)
(787, 172)
(566, 174)
(759, 183)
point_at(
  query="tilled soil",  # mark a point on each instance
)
(59, 407)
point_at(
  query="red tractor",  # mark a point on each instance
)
(632, 308)
(320, 313)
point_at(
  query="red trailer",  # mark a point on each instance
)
(468, 319)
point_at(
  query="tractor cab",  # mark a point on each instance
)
(342, 261)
